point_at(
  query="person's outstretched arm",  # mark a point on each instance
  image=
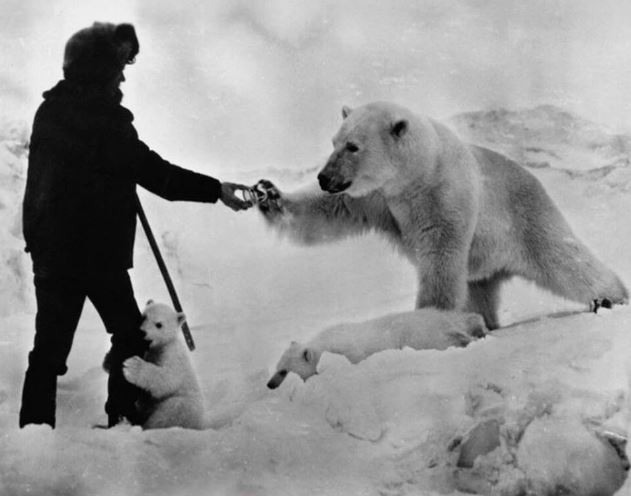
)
(175, 183)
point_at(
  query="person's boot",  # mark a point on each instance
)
(122, 399)
(38, 397)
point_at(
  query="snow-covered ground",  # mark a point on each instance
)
(542, 400)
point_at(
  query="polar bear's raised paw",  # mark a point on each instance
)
(272, 201)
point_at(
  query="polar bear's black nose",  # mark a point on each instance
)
(277, 379)
(324, 181)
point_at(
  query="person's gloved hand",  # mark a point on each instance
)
(230, 199)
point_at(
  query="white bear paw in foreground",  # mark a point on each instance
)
(173, 397)
(425, 329)
(133, 368)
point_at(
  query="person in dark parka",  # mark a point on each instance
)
(80, 215)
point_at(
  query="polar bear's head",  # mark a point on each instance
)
(299, 359)
(160, 323)
(370, 150)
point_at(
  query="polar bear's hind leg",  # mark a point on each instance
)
(484, 298)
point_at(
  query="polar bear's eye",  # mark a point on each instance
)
(352, 147)
(159, 325)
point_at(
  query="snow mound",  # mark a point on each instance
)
(546, 136)
(15, 290)
(531, 409)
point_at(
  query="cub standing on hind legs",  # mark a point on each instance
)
(466, 217)
(172, 396)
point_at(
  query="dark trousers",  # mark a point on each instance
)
(60, 301)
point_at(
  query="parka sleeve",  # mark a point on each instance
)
(169, 181)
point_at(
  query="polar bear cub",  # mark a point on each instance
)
(173, 397)
(425, 329)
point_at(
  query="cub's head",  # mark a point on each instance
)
(368, 150)
(160, 323)
(298, 359)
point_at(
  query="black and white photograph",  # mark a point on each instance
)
(315, 248)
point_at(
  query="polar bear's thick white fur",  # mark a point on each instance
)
(426, 329)
(172, 395)
(466, 217)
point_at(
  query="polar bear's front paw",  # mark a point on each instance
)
(271, 202)
(132, 369)
(459, 339)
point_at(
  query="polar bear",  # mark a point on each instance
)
(425, 329)
(172, 395)
(466, 217)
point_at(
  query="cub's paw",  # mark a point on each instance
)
(132, 369)
(476, 326)
(459, 339)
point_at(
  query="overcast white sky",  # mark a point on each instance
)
(253, 84)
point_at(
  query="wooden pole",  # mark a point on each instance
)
(165, 273)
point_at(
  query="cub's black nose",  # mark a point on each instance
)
(324, 181)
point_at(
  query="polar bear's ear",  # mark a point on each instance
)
(308, 355)
(181, 318)
(399, 128)
(346, 111)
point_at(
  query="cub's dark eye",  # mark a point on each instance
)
(352, 147)
(159, 325)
